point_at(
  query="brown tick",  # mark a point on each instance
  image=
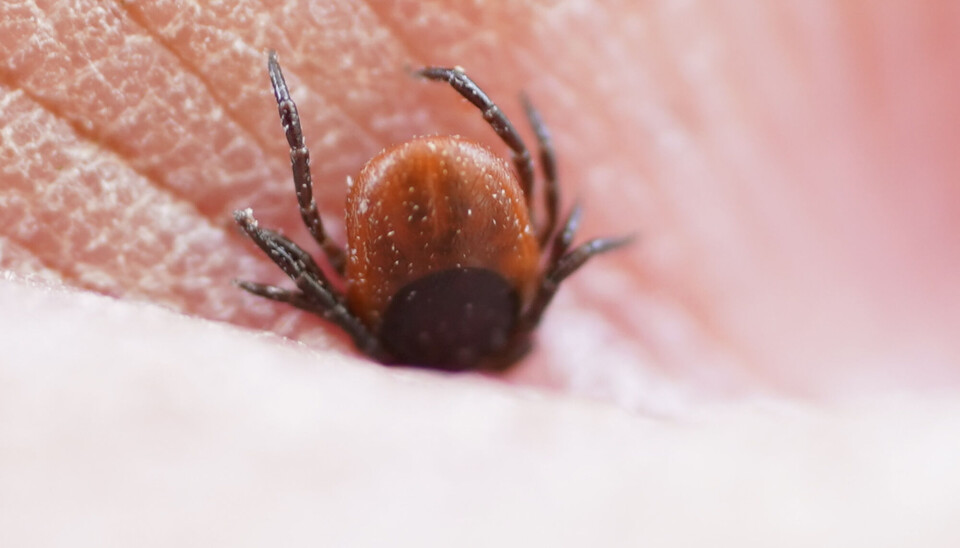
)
(443, 266)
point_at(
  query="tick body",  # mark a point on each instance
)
(444, 267)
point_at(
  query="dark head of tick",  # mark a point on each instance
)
(444, 267)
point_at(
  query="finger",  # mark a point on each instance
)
(123, 429)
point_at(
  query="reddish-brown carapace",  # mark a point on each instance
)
(443, 266)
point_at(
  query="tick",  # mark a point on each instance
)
(444, 266)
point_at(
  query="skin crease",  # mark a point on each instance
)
(782, 335)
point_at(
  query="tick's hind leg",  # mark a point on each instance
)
(314, 293)
(493, 115)
(548, 165)
(300, 163)
(561, 263)
(293, 297)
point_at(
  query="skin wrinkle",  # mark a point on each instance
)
(329, 196)
(454, 116)
(78, 275)
(699, 233)
(763, 224)
(675, 93)
(100, 131)
(395, 29)
(763, 185)
(90, 139)
(208, 87)
(315, 76)
(265, 139)
(409, 50)
(59, 270)
(290, 68)
(74, 276)
(460, 119)
(26, 263)
(530, 61)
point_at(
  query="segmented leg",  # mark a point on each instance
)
(494, 116)
(564, 238)
(279, 294)
(315, 293)
(300, 163)
(567, 265)
(548, 163)
(562, 263)
(292, 259)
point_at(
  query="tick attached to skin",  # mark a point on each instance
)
(443, 268)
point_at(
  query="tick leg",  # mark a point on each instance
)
(315, 292)
(290, 257)
(279, 294)
(548, 164)
(363, 339)
(561, 269)
(300, 162)
(560, 264)
(493, 115)
(561, 243)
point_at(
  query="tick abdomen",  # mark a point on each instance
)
(430, 205)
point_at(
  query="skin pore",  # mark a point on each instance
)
(791, 172)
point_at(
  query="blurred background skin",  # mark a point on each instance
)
(791, 169)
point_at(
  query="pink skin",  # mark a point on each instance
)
(792, 173)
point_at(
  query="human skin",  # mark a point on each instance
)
(781, 335)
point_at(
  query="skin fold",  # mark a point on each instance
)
(774, 359)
